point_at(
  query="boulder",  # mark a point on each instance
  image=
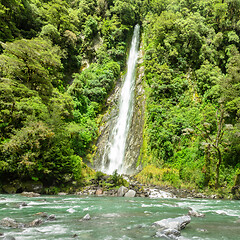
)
(177, 223)
(99, 192)
(122, 191)
(9, 189)
(86, 217)
(30, 194)
(51, 217)
(42, 214)
(156, 193)
(22, 204)
(130, 193)
(62, 194)
(9, 238)
(35, 223)
(168, 233)
(9, 222)
(32, 186)
(193, 213)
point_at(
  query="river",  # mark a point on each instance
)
(117, 217)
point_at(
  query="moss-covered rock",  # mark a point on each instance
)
(7, 188)
(236, 188)
(32, 186)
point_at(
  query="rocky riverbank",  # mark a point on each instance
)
(105, 185)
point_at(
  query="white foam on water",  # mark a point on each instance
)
(111, 215)
(59, 229)
(71, 210)
(37, 203)
(151, 205)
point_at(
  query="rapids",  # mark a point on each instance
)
(117, 217)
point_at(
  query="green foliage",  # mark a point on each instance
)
(191, 68)
(118, 180)
(47, 128)
(191, 62)
(34, 63)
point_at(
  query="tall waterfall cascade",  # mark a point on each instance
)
(113, 158)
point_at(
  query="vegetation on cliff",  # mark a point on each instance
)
(48, 103)
(192, 70)
(60, 59)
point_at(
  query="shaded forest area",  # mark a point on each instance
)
(50, 107)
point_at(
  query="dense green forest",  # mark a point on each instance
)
(49, 106)
(192, 77)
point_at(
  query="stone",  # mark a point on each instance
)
(51, 217)
(62, 194)
(9, 238)
(193, 213)
(78, 193)
(86, 217)
(130, 193)
(42, 214)
(91, 192)
(9, 222)
(35, 223)
(156, 193)
(122, 191)
(30, 194)
(22, 204)
(9, 189)
(32, 186)
(177, 223)
(168, 233)
(99, 192)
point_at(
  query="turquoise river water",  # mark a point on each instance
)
(117, 218)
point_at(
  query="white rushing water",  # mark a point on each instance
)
(117, 145)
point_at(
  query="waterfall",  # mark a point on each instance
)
(113, 158)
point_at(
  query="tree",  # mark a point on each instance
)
(34, 63)
(213, 143)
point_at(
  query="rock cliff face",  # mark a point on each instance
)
(134, 139)
(106, 125)
(135, 135)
